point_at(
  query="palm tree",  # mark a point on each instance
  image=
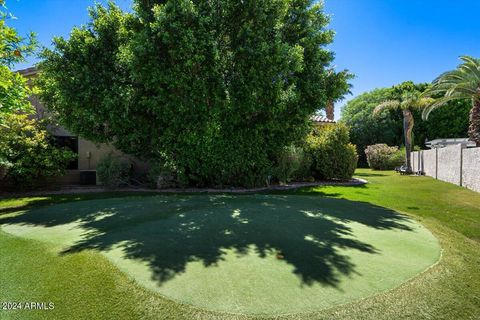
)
(336, 87)
(408, 102)
(461, 83)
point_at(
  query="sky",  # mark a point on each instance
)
(383, 42)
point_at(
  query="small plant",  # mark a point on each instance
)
(113, 172)
(383, 157)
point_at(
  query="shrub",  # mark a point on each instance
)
(161, 175)
(4, 166)
(113, 172)
(383, 157)
(333, 156)
(398, 158)
(289, 161)
(28, 154)
(304, 172)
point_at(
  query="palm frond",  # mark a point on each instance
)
(461, 83)
(437, 103)
(472, 70)
(470, 60)
(462, 88)
(386, 105)
(449, 75)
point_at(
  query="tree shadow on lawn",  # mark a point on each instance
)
(35, 201)
(168, 232)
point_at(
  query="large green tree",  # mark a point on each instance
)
(14, 90)
(209, 89)
(27, 156)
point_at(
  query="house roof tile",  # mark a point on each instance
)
(321, 119)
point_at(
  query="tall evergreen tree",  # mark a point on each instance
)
(211, 90)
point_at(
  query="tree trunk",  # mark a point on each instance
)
(330, 110)
(474, 128)
(407, 131)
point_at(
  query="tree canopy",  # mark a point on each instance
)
(211, 90)
(27, 156)
(13, 49)
(449, 121)
(365, 129)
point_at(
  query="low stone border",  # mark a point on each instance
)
(291, 186)
(91, 189)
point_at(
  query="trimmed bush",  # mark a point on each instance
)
(383, 157)
(113, 172)
(333, 156)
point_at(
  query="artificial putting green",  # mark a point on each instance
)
(250, 254)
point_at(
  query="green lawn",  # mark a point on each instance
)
(357, 242)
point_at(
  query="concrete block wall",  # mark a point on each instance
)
(415, 158)
(449, 164)
(471, 169)
(429, 161)
(454, 164)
